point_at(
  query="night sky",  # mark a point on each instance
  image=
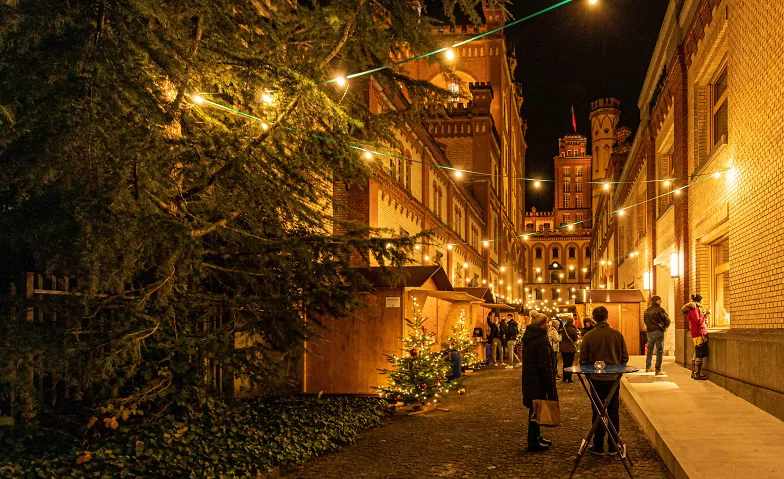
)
(571, 56)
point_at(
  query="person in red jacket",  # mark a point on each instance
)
(699, 331)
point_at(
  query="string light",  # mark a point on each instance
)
(537, 184)
(485, 243)
(621, 212)
(458, 174)
(667, 183)
(341, 81)
(449, 54)
(267, 98)
(606, 186)
(449, 247)
(198, 99)
(418, 247)
(571, 227)
(368, 155)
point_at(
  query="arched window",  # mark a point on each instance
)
(538, 253)
(588, 252)
(555, 253)
(572, 252)
(554, 278)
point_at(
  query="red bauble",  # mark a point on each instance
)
(452, 344)
(423, 386)
(414, 353)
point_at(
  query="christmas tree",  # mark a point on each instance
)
(421, 373)
(462, 341)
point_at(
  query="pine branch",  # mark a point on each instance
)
(346, 32)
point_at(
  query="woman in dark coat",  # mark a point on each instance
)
(569, 347)
(538, 376)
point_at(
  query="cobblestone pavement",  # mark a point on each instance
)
(483, 436)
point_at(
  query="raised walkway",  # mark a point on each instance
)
(701, 430)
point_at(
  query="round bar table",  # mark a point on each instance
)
(584, 372)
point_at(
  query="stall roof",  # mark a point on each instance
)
(499, 306)
(483, 293)
(610, 296)
(407, 277)
(447, 295)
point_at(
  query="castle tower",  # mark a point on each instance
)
(605, 113)
(572, 192)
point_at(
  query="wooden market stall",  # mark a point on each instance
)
(348, 358)
(625, 307)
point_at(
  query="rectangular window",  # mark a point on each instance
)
(567, 200)
(539, 294)
(454, 90)
(666, 174)
(578, 217)
(578, 171)
(566, 185)
(578, 187)
(572, 274)
(579, 201)
(720, 271)
(719, 126)
(567, 171)
(567, 219)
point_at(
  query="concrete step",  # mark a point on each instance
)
(701, 430)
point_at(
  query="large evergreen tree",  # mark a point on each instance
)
(185, 227)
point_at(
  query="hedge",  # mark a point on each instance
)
(215, 440)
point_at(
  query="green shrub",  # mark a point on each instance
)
(214, 440)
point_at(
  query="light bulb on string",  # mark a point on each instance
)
(368, 155)
(717, 175)
(458, 174)
(341, 80)
(667, 182)
(525, 237)
(678, 191)
(267, 98)
(606, 186)
(449, 247)
(198, 99)
(485, 243)
(593, 2)
(537, 184)
(449, 54)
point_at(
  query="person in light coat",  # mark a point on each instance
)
(554, 336)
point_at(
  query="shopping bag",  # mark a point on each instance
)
(701, 350)
(546, 413)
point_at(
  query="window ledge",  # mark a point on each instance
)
(719, 329)
(717, 150)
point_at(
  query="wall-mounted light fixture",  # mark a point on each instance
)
(674, 264)
(646, 281)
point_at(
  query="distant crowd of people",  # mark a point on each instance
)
(588, 341)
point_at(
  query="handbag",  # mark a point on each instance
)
(701, 350)
(546, 413)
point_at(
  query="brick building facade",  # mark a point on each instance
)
(556, 250)
(482, 133)
(701, 203)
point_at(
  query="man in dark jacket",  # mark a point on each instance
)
(569, 347)
(494, 339)
(656, 323)
(512, 331)
(538, 377)
(604, 343)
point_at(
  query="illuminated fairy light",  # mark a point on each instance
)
(449, 247)
(427, 258)
(519, 281)
(485, 243)
(621, 212)
(198, 99)
(525, 237)
(571, 227)
(593, 2)
(678, 191)
(418, 247)
(368, 155)
(267, 98)
(503, 268)
(341, 81)
(667, 182)
(717, 175)
(458, 174)
(537, 184)
(606, 186)
(465, 265)
(388, 245)
(449, 54)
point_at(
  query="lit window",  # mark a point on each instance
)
(567, 200)
(579, 200)
(719, 125)
(454, 90)
(567, 171)
(578, 171)
(720, 269)
(578, 187)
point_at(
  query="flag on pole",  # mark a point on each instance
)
(574, 120)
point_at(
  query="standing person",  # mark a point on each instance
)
(512, 330)
(698, 326)
(576, 318)
(494, 338)
(569, 347)
(502, 333)
(656, 324)
(587, 326)
(489, 341)
(606, 344)
(555, 341)
(538, 377)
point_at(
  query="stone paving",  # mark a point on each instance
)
(483, 436)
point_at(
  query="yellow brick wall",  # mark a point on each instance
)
(756, 140)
